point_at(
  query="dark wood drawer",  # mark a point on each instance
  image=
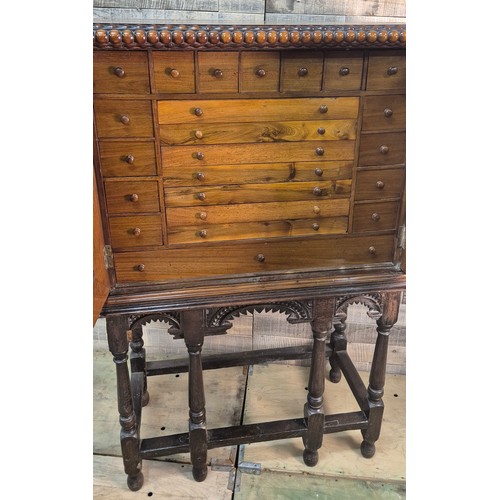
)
(218, 72)
(343, 72)
(302, 71)
(259, 71)
(123, 118)
(386, 112)
(382, 149)
(127, 159)
(174, 72)
(379, 184)
(132, 196)
(136, 231)
(375, 216)
(121, 73)
(256, 257)
(386, 72)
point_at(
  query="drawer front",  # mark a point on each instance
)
(136, 231)
(382, 149)
(375, 216)
(121, 73)
(174, 72)
(386, 72)
(379, 184)
(343, 72)
(259, 71)
(257, 110)
(132, 196)
(127, 159)
(384, 113)
(257, 173)
(218, 72)
(255, 257)
(123, 118)
(302, 71)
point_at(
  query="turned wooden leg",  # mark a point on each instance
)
(192, 326)
(323, 310)
(117, 327)
(138, 360)
(390, 305)
(338, 342)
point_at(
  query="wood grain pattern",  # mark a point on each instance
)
(109, 113)
(125, 234)
(208, 5)
(294, 62)
(127, 159)
(251, 63)
(372, 149)
(119, 196)
(209, 63)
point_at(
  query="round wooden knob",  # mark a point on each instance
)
(134, 197)
(218, 73)
(315, 226)
(321, 130)
(375, 216)
(261, 72)
(141, 267)
(302, 71)
(260, 257)
(316, 209)
(202, 215)
(323, 109)
(392, 70)
(383, 149)
(130, 159)
(344, 71)
(316, 191)
(125, 119)
(380, 184)
(388, 112)
(198, 134)
(202, 233)
(201, 196)
(318, 172)
(174, 73)
(198, 111)
(119, 72)
(199, 155)
(200, 176)
(372, 250)
(320, 151)
(136, 231)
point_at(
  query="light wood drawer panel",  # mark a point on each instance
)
(379, 184)
(255, 193)
(262, 132)
(218, 72)
(382, 149)
(127, 159)
(174, 72)
(257, 173)
(256, 212)
(343, 72)
(387, 112)
(120, 73)
(259, 71)
(226, 259)
(257, 110)
(252, 230)
(302, 71)
(135, 231)
(375, 216)
(199, 156)
(123, 118)
(132, 196)
(386, 72)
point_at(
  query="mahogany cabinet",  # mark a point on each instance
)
(242, 167)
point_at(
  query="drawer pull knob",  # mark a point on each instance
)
(201, 196)
(317, 191)
(199, 155)
(316, 209)
(303, 72)
(198, 111)
(125, 119)
(380, 184)
(375, 216)
(174, 73)
(323, 109)
(218, 73)
(202, 233)
(320, 151)
(372, 250)
(384, 149)
(136, 231)
(200, 176)
(130, 159)
(260, 257)
(318, 172)
(202, 215)
(388, 112)
(141, 267)
(198, 134)
(321, 130)
(315, 226)
(344, 71)
(261, 72)
(392, 70)
(134, 197)
(119, 72)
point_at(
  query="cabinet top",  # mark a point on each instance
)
(227, 37)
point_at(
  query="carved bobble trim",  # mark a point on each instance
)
(200, 37)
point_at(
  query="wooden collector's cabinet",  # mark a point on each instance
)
(247, 166)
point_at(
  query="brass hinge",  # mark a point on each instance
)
(108, 257)
(402, 236)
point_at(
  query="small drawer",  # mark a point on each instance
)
(343, 72)
(375, 216)
(174, 72)
(132, 196)
(260, 72)
(385, 112)
(136, 231)
(121, 73)
(218, 72)
(386, 72)
(127, 159)
(302, 71)
(379, 184)
(123, 118)
(382, 149)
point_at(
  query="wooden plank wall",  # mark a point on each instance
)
(271, 12)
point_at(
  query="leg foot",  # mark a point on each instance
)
(200, 473)
(367, 449)
(310, 457)
(335, 375)
(145, 398)
(135, 482)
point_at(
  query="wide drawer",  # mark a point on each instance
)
(379, 216)
(127, 159)
(121, 73)
(382, 149)
(198, 261)
(386, 72)
(379, 184)
(218, 72)
(136, 231)
(174, 72)
(132, 196)
(387, 112)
